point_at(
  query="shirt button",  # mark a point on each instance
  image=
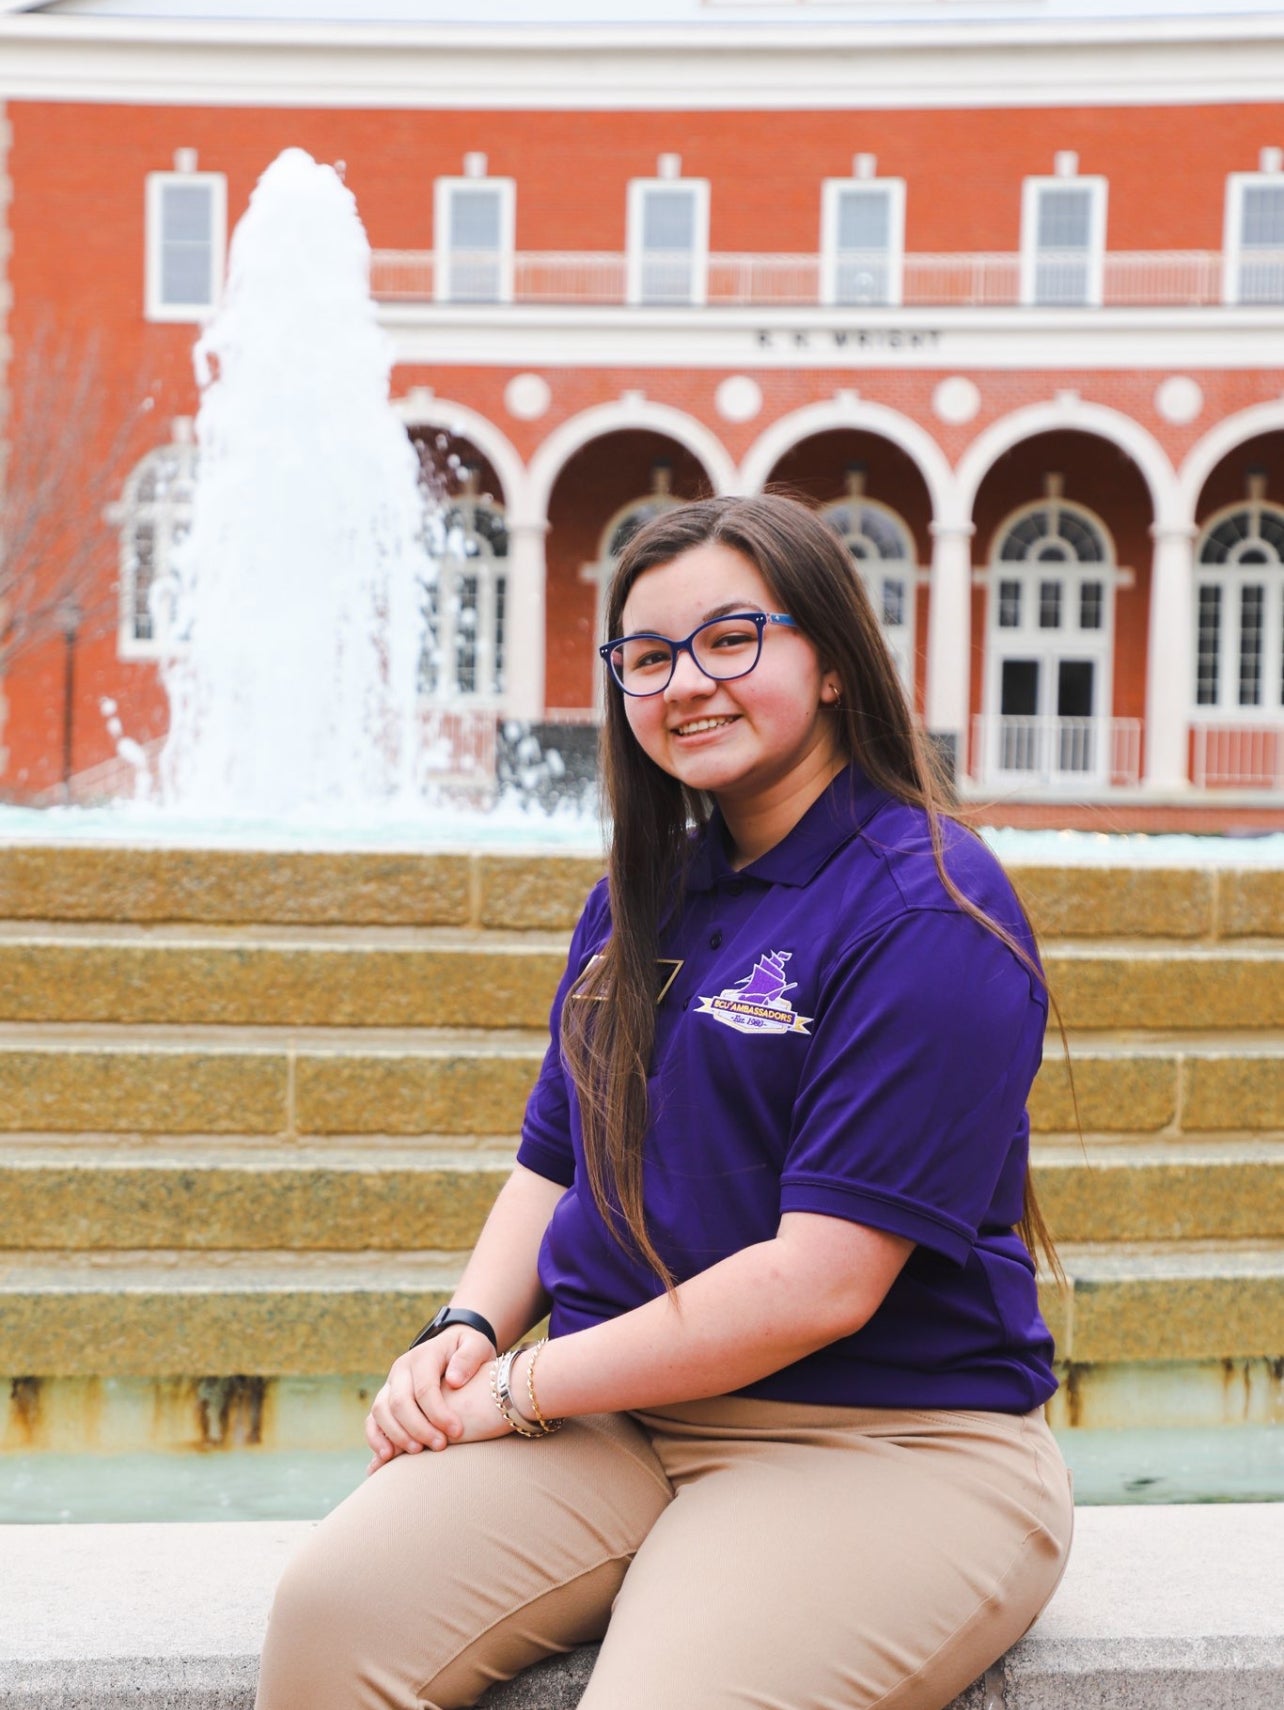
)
(715, 941)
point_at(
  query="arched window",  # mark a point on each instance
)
(1050, 646)
(883, 548)
(1239, 609)
(465, 606)
(154, 516)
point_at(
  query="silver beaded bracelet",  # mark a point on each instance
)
(500, 1388)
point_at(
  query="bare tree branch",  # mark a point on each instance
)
(69, 453)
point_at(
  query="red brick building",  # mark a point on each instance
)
(1006, 297)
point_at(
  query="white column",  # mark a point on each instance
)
(524, 621)
(949, 636)
(1170, 657)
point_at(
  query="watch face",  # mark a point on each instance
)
(440, 1321)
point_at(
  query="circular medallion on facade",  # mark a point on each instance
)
(527, 396)
(1179, 399)
(738, 398)
(956, 400)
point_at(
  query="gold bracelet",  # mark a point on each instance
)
(549, 1425)
(500, 1375)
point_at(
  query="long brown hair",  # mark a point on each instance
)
(608, 1044)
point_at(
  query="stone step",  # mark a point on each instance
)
(1160, 1608)
(389, 977)
(542, 890)
(176, 1080)
(203, 1193)
(181, 1313)
(308, 887)
(247, 1081)
(466, 980)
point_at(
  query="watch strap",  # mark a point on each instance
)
(456, 1315)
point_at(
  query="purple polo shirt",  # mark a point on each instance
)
(841, 1038)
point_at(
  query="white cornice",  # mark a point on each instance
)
(870, 67)
(1037, 340)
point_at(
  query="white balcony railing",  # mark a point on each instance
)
(1237, 756)
(1060, 753)
(1155, 279)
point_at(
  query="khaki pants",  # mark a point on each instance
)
(733, 1552)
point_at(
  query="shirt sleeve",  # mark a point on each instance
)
(927, 1038)
(546, 1145)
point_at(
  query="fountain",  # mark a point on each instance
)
(297, 599)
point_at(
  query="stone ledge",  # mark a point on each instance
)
(1160, 1609)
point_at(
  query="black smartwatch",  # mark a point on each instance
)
(455, 1315)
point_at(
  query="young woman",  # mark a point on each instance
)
(773, 1184)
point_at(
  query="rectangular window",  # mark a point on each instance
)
(186, 241)
(1063, 240)
(1049, 605)
(893, 600)
(1091, 605)
(1254, 241)
(862, 240)
(474, 220)
(1009, 605)
(1208, 646)
(1252, 605)
(668, 241)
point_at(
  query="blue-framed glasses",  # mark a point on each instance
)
(723, 648)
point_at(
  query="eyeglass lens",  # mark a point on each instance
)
(726, 647)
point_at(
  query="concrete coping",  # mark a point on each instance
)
(1161, 1608)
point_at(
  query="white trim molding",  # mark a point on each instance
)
(1204, 456)
(627, 414)
(1069, 413)
(1089, 63)
(422, 408)
(847, 410)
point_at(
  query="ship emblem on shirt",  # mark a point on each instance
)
(757, 1003)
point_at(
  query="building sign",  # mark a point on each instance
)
(848, 338)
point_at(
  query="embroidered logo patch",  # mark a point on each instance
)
(757, 1004)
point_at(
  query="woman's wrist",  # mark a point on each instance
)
(520, 1385)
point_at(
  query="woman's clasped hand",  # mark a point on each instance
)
(437, 1394)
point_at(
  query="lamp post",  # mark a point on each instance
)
(68, 615)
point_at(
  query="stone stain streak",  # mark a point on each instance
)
(25, 1403)
(229, 1411)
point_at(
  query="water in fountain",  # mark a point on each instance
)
(297, 598)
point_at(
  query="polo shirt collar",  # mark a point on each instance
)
(832, 820)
